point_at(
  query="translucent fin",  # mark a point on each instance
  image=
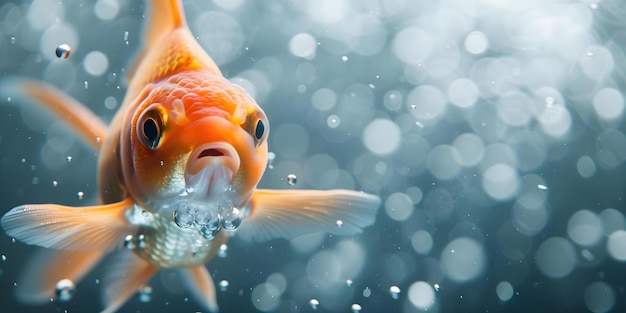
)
(93, 228)
(199, 282)
(90, 128)
(163, 17)
(36, 284)
(126, 274)
(291, 213)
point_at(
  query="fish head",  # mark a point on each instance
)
(196, 136)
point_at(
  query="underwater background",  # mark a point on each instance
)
(493, 131)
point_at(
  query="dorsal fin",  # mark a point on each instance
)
(162, 17)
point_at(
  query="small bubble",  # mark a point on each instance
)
(126, 36)
(129, 242)
(542, 187)
(65, 290)
(356, 308)
(209, 231)
(63, 51)
(86, 85)
(97, 281)
(145, 213)
(12, 39)
(69, 158)
(348, 282)
(339, 223)
(80, 195)
(183, 220)
(141, 241)
(367, 292)
(145, 293)
(4, 258)
(344, 58)
(413, 106)
(222, 252)
(223, 285)
(372, 86)
(292, 179)
(394, 291)
(333, 121)
(231, 218)
(437, 287)
(314, 303)
(55, 183)
(202, 218)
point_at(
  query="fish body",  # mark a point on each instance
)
(177, 175)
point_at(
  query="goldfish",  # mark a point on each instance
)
(178, 170)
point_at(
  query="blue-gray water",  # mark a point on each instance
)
(492, 130)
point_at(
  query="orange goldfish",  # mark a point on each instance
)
(177, 175)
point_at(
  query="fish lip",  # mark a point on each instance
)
(211, 169)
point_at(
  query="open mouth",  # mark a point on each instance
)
(210, 153)
(211, 168)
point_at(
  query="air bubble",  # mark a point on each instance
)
(394, 291)
(4, 258)
(333, 121)
(55, 183)
(348, 282)
(69, 158)
(356, 308)
(65, 290)
(129, 242)
(292, 179)
(210, 230)
(222, 252)
(223, 285)
(367, 292)
(141, 241)
(145, 293)
(314, 303)
(63, 51)
(344, 58)
(231, 218)
(339, 223)
(183, 219)
(80, 195)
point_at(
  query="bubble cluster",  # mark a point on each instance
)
(206, 220)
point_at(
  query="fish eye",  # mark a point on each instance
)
(260, 130)
(151, 129)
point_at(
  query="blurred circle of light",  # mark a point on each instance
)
(351, 257)
(219, 34)
(328, 11)
(324, 99)
(599, 297)
(421, 295)
(265, 297)
(393, 100)
(616, 245)
(504, 290)
(500, 181)
(463, 260)
(422, 242)
(513, 108)
(530, 149)
(307, 243)
(399, 206)
(608, 104)
(277, 280)
(319, 170)
(44, 13)
(229, 4)
(544, 71)
(584, 228)
(412, 45)
(463, 93)
(415, 193)
(612, 220)
(443, 162)
(586, 166)
(54, 35)
(303, 45)
(596, 62)
(476, 42)
(611, 148)
(529, 220)
(439, 204)
(426, 103)
(290, 141)
(555, 121)
(556, 257)
(106, 9)
(512, 244)
(470, 149)
(382, 136)
(96, 63)
(324, 269)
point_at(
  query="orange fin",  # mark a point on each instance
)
(90, 128)
(36, 284)
(127, 273)
(199, 282)
(92, 228)
(291, 213)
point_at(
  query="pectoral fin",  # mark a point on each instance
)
(93, 228)
(291, 213)
(199, 282)
(127, 273)
(36, 284)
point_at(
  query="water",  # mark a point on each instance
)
(494, 131)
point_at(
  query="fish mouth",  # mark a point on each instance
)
(211, 168)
